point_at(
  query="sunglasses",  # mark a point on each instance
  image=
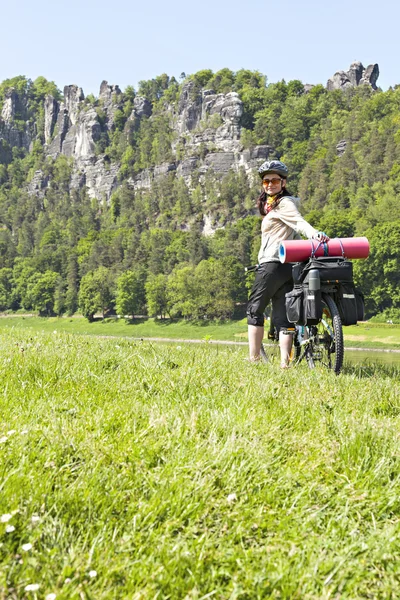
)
(274, 181)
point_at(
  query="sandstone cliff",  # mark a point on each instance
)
(206, 125)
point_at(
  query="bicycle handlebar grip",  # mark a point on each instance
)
(250, 269)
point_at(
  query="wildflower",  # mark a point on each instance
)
(10, 528)
(11, 432)
(3, 439)
(179, 347)
(24, 432)
(231, 498)
(26, 547)
(68, 580)
(51, 596)
(32, 587)
(92, 574)
(35, 518)
(5, 518)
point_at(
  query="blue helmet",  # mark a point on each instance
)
(273, 166)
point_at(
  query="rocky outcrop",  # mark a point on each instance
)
(206, 126)
(73, 96)
(100, 179)
(208, 119)
(110, 96)
(73, 128)
(341, 147)
(142, 107)
(355, 76)
(13, 127)
(38, 184)
(189, 108)
(10, 106)
(51, 108)
(109, 93)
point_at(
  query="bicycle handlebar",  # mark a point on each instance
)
(251, 269)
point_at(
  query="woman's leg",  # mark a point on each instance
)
(285, 345)
(280, 318)
(269, 279)
(256, 334)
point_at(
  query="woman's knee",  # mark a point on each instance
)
(254, 316)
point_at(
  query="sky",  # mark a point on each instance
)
(84, 42)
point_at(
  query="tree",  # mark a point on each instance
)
(71, 294)
(95, 293)
(23, 275)
(156, 295)
(88, 301)
(42, 292)
(131, 297)
(219, 285)
(182, 292)
(6, 288)
(379, 275)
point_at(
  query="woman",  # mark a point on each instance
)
(281, 221)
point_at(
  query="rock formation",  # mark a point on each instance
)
(207, 127)
(13, 126)
(355, 76)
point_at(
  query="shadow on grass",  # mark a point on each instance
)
(135, 321)
(368, 370)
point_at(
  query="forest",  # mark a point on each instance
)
(144, 251)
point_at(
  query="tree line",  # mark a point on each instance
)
(144, 252)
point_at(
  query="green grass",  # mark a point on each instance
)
(363, 335)
(184, 472)
(232, 330)
(373, 335)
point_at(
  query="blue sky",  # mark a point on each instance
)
(86, 41)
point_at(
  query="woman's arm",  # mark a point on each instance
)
(289, 214)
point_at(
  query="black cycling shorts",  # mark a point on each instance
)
(273, 280)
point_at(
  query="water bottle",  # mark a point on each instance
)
(314, 283)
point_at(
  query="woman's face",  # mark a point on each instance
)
(273, 183)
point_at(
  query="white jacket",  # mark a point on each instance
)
(282, 223)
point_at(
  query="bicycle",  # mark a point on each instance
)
(320, 343)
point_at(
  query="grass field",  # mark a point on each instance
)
(363, 335)
(142, 471)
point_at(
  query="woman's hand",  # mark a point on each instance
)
(321, 236)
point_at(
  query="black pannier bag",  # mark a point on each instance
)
(294, 305)
(360, 305)
(347, 303)
(332, 269)
(312, 306)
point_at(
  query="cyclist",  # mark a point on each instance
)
(281, 221)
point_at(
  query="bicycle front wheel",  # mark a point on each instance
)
(329, 336)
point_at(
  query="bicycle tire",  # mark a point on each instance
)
(330, 345)
(263, 354)
(271, 354)
(296, 347)
(310, 357)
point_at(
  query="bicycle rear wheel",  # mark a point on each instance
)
(328, 347)
(270, 353)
